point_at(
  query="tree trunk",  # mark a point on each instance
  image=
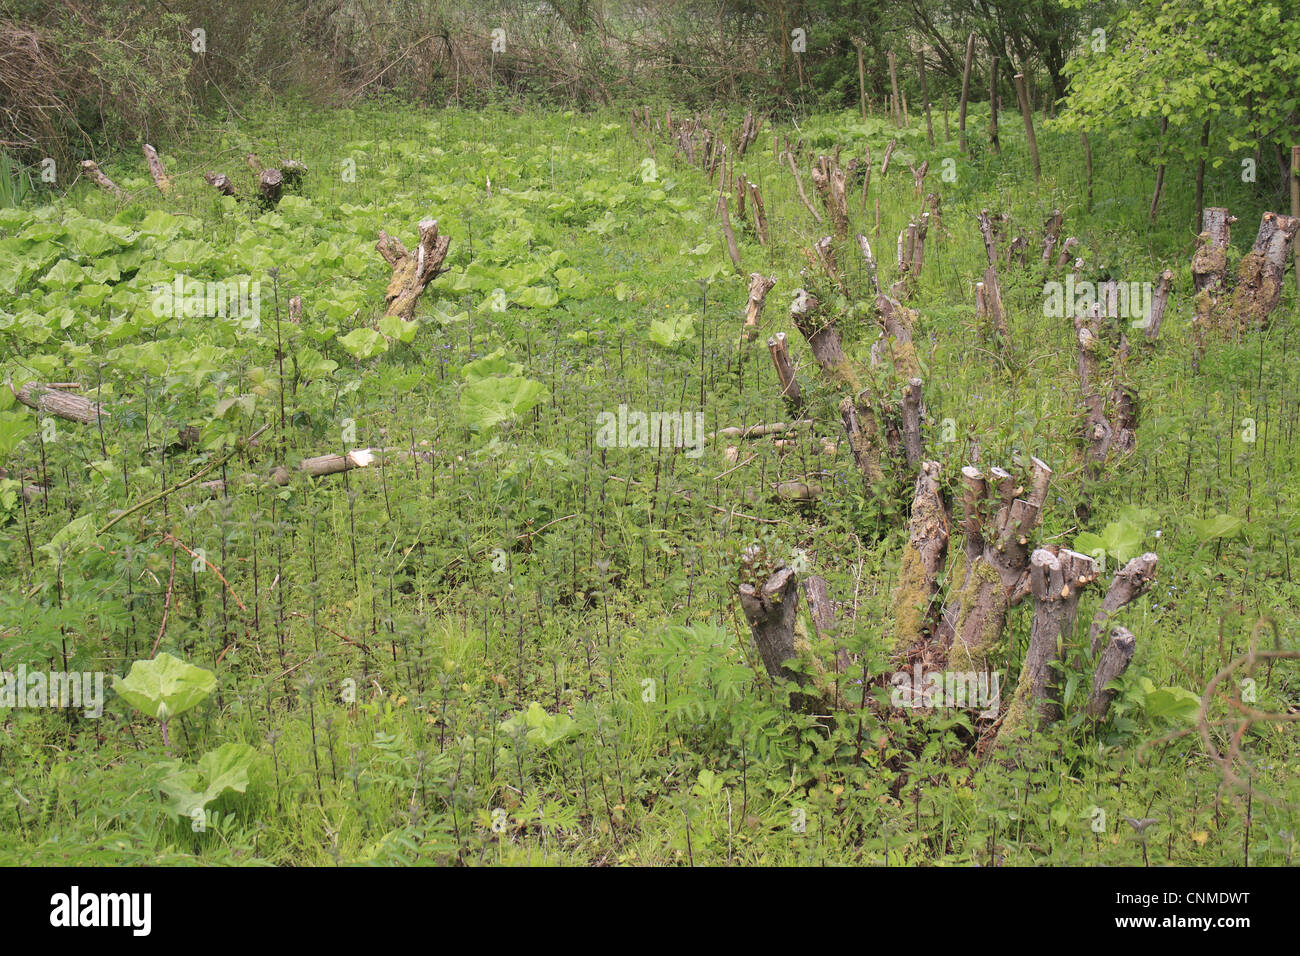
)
(993, 106)
(1022, 94)
(992, 573)
(893, 85)
(965, 92)
(760, 217)
(1051, 233)
(799, 185)
(1159, 303)
(60, 404)
(1056, 576)
(771, 610)
(270, 184)
(728, 234)
(1160, 173)
(925, 95)
(220, 182)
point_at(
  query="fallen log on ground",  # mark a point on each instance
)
(60, 404)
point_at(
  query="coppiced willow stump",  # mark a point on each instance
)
(779, 349)
(294, 172)
(769, 599)
(1112, 663)
(1260, 273)
(1130, 582)
(220, 182)
(760, 216)
(412, 271)
(1111, 423)
(270, 186)
(156, 170)
(829, 181)
(96, 176)
(1056, 577)
(1210, 268)
(915, 608)
(990, 575)
(1159, 302)
(883, 431)
(759, 286)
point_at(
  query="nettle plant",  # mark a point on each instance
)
(164, 688)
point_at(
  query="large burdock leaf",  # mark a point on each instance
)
(1120, 539)
(72, 538)
(1220, 526)
(363, 343)
(225, 768)
(489, 401)
(13, 429)
(165, 686)
(395, 327)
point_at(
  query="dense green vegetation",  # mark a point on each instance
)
(517, 646)
(483, 632)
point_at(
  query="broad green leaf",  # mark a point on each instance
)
(165, 686)
(73, 538)
(14, 427)
(488, 401)
(1220, 526)
(363, 343)
(395, 327)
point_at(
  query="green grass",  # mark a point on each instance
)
(614, 604)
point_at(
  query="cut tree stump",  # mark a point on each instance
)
(1130, 582)
(771, 610)
(779, 349)
(889, 153)
(293, 171)
(991, 574)
(1051, 233)
(412, 271)
(270, 186)
(829, 181)
(759, 286)
(1056, 576)
(1209, 271)
(915, 609)
(760, 216)
(96, 176)
(1159, 302)
(220, 182)
(824, 340)
(156, 170)
(870, 261)
(1260, 273)
(1112, 663)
